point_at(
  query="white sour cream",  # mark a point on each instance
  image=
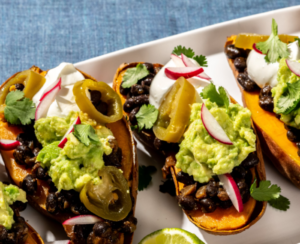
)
(266, 74)
(161, 85)
(64, 102)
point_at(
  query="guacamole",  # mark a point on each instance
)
(76, 164)
(202, 156)
(284, 76)
(8, 195)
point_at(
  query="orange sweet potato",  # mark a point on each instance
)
(122, 133)
(281, 151)
(222, 221)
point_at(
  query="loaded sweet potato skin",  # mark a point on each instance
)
(222, 221)
(271, 131)
(122, 133)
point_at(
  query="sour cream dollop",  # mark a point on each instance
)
(64, 102)
(263, 73)
(161, 85)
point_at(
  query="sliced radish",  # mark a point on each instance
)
(232, 191)
(187, 72)
(213, 127)
(255, 49)
(8, 145)
(46, 100)
(189, 63)
(177, 60)
(50, 88)
(70, 130)
(82, 220)
(293, 66)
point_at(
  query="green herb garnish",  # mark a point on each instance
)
(273, 47)
(133, 75)
(85, 134)
(201, 60)
(146, 116)
(220, 98)
(290, 99)
(269, 193)
(145, 177)
(298, 39)
(18, 109)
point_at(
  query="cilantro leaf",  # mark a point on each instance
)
(201, 60)
(85, 134)
(18, 109)
(145, 177)
(210, 92)
(265, 191)
(133, 75)
(281, 203)
(273, 47)
(290, 99)
(146, 116)
(187, 52)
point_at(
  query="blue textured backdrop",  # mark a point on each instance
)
(45, 33)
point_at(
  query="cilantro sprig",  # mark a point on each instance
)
(85, 134)
(201, 60)
(18, 109)
(220, 98)
(273, 47)
(146, 116)
(145, 177)
(270, 193)
(290, 99)
(133, 75)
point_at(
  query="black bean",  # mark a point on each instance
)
(41, 173)
(10, 239)
(21, 153)
(29, 184)
(266, 91)
(113, 159)
(36, 151)
(19, 86)
(266, 103)
(250, 161)
(81, 233)
(292, 136)
(246, 82)
(244, 190)
(149, 67)
(102, 229)
(222, 194)
(239, 172)
(207, 205)
(233, 52)
(141, 100)
(20, 206)
(102, 107)
(78, 208)
(51, 203)
(20, 229)
(168, 187)
(3, 233)
(70, 195)
(129, 105)
(95, 97)
(137, 90)
(187, 202)
(128, 225)
(185, 178)
(147, 81)
(124, 91)
(25, 138)
(212, 188)
(132, 117)
(240, 63)
(225, 204)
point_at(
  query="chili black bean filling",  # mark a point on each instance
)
(19, 231)
(265, 95)
(63, 201)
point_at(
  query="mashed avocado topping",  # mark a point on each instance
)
(286, 95)
(202, 156)
(77, 163)
(8, 195)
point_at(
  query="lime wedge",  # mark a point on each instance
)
(171, 236)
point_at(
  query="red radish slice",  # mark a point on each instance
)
(8, 145)
(82, 220)
(177, 60)
(232, 191)
(255, 49)
(213, 127)
(70, 130)
(189, 63)
(46, 100)
(49, 89)
(187, 72)
(293, 66)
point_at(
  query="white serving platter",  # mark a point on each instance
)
(156, 210)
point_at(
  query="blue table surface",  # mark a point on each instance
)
(46, 32)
